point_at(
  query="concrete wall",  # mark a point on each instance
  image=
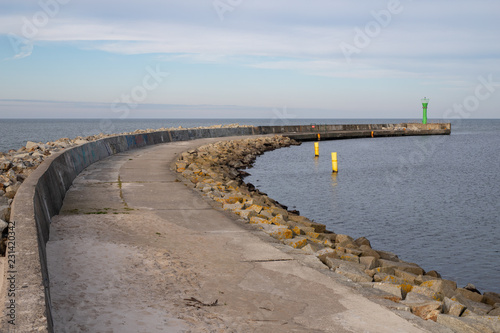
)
(41, 196)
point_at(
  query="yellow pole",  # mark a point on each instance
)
(334, 163)
(319, 137)
(372, 134)
(316, 149)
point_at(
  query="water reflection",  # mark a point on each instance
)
(334, 180)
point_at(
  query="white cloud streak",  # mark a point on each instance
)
(290, 35)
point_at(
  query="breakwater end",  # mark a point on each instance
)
(32, 194)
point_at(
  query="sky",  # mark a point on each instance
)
(249, 59)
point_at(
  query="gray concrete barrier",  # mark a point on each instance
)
(26, 285)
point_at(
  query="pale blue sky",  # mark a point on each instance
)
(244, 59)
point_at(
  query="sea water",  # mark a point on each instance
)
(432, 200)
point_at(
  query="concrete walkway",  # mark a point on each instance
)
(133, 243)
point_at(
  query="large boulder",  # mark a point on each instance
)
(445, 287)
(403, 266)
(5, 165)
(3, 225)
(4, 208)
(392, 289)
(477, 308)
(318, 227)
(470, 295)
(453, 308)
(354, 272)
(491, 298)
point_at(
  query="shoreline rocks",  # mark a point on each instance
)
(217, 171)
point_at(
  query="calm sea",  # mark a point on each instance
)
(431, 200)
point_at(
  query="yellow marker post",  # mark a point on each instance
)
(335, 167)
(319, 137)
(372, 134)
(316, 149)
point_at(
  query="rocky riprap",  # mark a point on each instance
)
(17, 165)
(216, 170)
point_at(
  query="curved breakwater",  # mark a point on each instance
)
(40, 189)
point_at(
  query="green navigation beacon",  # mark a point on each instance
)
(425, 102)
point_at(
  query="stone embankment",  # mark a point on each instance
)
(216, 170)
(17, 165)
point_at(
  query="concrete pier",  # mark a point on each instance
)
(132, 245)
(327, 132)
(42, 195)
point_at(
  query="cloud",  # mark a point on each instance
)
(281, 34)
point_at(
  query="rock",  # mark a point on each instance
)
(353, 251)
(235, 206)
(472, 288)
(378, 277)
(363, 241)
(456, 324)
(278, 211)
(332, 262)
(453, 308)
(5, 165)
(474, 324)
(347, 256)
(470, 295)
(278, 232)
(392, 279)
(432, 315)
(269, 216)
(297, 242)
(3, 225)
(368, 262)
(368, 252)
(379, 270)
(30, 145)
(477, 308)
(21, 156)
(318, 227)
(11, 175)
(426, 310)
(491, 298)
(325, 252)
(403, 266)
(11, 191)
(445, 287)
(246, 214)
(487, 324)
(422, 278)
(428, 292)
(355, 273)
(388, 256)
(255, 208)
(494, 312)
(414, 297)
(389, 288)
(4, 208)
(406, 276)
(344, 238)
(433, 274)
(312, 248)
(259, 220)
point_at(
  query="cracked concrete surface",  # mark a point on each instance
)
(124, 255)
